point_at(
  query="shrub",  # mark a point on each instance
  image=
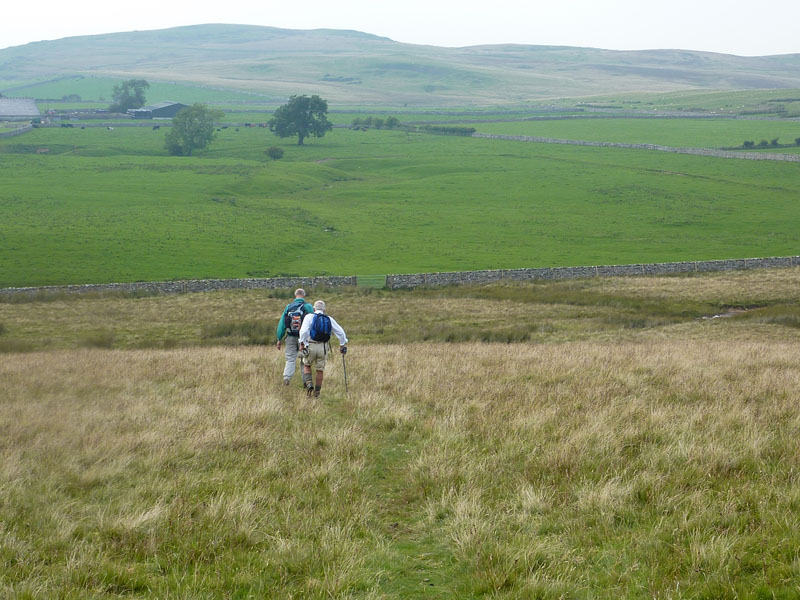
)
(749, 144)
(774, 142)
(797, 141)
(274, 152)
(448, 129)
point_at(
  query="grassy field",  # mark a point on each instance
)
(627, 449)
(111, 206)
(101, 89)
(694, 133)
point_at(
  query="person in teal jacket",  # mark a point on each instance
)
(289, 328)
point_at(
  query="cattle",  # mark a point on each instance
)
(110, 128)
(156, 127)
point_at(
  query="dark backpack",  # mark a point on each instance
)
(293, 318)
(320, 328)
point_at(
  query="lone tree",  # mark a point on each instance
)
(128, 94)
(301, 116)
(192, 129)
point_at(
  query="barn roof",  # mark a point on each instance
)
(153, 107)
(18, 107)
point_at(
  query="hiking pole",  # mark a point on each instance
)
(344, 366)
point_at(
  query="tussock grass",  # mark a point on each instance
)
(541, 312)
(586, 469)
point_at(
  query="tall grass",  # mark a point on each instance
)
(582, 470)
(507, 312)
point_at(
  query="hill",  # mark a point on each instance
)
(359, 68)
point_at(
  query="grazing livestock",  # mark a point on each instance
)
(110, 128)
(156, 127)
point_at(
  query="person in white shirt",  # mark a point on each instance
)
(314, 345)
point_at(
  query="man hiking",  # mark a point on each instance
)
(315, 334)
(289, 328)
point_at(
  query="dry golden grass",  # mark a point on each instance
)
(595, 309)
(624, 469)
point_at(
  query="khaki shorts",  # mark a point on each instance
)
(317, 355)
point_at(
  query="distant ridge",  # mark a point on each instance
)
(360, 68)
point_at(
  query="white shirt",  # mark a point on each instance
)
(305, 329)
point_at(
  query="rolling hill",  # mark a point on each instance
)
(350, 67)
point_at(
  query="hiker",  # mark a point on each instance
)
(314, 344)
(289, 328)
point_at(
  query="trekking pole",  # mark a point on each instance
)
(344, 366)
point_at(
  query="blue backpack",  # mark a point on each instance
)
(320, 328)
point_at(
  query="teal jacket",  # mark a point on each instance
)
(281, 332)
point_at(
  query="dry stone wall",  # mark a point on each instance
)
(183, 287)
(467, 277)
(14, 132)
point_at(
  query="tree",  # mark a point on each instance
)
(274, 152)
(301, 116)
(192, 129)
(797, 141)
(128, 94)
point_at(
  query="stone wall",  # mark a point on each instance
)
(466, 277)
(13, 132)
(183, 287)
(695, 151)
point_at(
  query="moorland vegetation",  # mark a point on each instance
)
(623, 447)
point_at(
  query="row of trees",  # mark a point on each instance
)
(765, 144)
(376, 122)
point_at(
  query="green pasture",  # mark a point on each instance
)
(695, 133)
(105, 206)
(101, 89)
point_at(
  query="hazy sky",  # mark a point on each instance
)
(760, 28)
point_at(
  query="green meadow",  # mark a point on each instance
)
(696, 133)
(103, 205)
(101, 89)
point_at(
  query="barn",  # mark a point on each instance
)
(162, 110)
(18, 109)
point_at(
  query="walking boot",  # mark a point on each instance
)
(307, 385)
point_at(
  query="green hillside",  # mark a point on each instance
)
(358, 68)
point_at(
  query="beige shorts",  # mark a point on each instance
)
(317, 355)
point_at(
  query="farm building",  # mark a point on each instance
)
(18, 109)
(162, 110)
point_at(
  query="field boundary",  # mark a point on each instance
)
(15, 132)
(407, 281)
(182, 286)
(674, 150)
(467, 277)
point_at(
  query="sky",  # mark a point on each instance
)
(752, 29)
